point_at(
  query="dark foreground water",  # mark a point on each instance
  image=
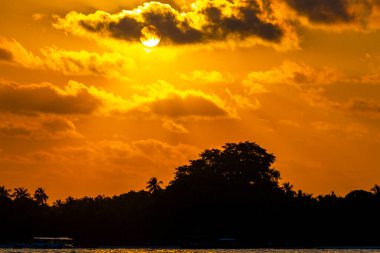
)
(189, 251)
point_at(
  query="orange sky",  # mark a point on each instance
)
(87, 109)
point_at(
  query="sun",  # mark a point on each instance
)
(150, 36)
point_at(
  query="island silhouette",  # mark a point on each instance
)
(228, 197)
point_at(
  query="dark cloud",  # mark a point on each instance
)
(45, 99)
(191, 105)
(246, 23)
(360, 105)
(14, 131)
(5, 55)
(334, 11)
(126, 28)
(172, 28)
(322, 11)
(205, 21)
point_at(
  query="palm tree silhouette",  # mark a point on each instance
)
(58, 203)
(69, 200)
(288, 188)
(4, 192)
(154, 185)
(40, 196)
(21, 193)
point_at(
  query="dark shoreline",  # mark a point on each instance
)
(173, 247)
(230, 198)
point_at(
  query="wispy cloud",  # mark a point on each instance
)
(207, 77)
(291, 73)
(67, 62)
(174, 127)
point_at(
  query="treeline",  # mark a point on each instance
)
(229, 197)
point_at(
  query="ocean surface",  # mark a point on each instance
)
(189, 251)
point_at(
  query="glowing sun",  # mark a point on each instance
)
(150, 36)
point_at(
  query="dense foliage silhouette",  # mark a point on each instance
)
(225, 198)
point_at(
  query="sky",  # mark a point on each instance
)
(90, 105)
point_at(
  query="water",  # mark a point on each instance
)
(189, 251)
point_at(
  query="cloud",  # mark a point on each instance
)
(59, 127)
(176, 106)
(174, 127)
(307, 80)
(225, 22)
(244, 102)
(141, 158)
(313, 85)
(37, 128)
(39, 16)
(131, 159)
(349, 130)
(291, 73)
(373, 75)
(47, 98)
(157, 100)
(82, 62)
(336, 14)
(5, 55)
(207, 77)
(372, 78)
(164, 99)
(10, 130)
(367, 107)
(106, 166)
(205, 21)
(253, 86)
(323, 11)
(77, 63)
(13, 52)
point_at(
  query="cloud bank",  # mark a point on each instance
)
(205, 21)
(157, 100)
(269, 22)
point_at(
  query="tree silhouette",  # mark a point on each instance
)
(4, 193)
(288, 188)
(69, 200)
(40, 196)
(58, 203)
(376, 190)
(153, 185)
(359, 196)
(232, 192)
(21, 193)
(243, 164)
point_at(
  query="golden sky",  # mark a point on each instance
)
(87, 109)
